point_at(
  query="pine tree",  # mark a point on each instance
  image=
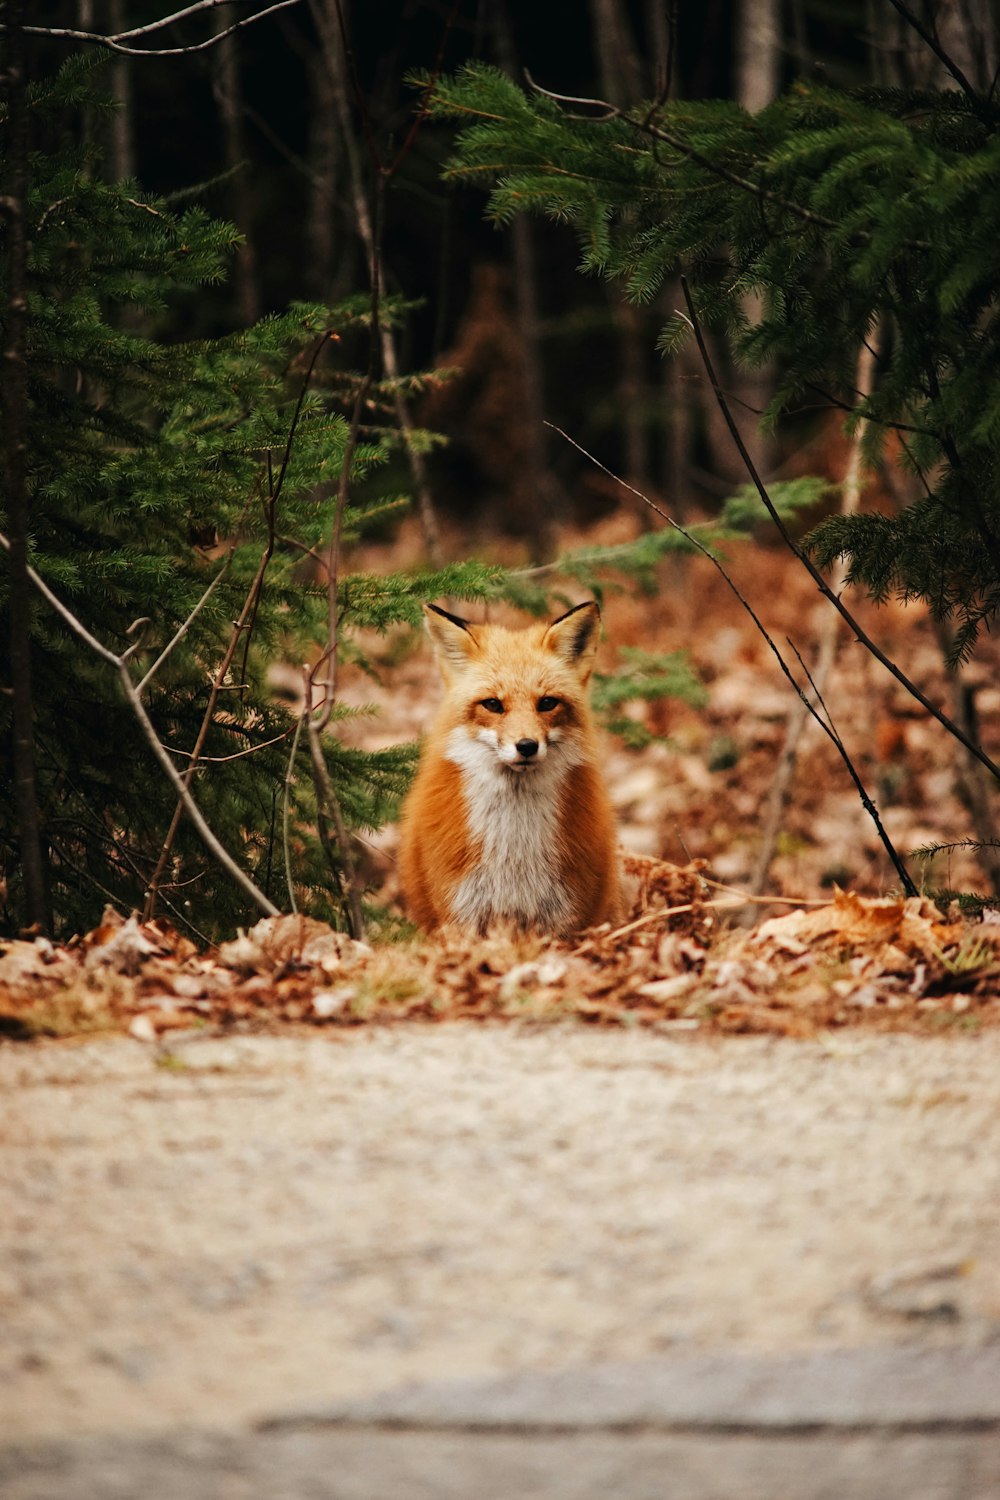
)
(155, 465)
(843, 211)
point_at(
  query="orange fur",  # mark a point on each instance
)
(493, 830)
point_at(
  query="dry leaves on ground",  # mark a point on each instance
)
(897, 964)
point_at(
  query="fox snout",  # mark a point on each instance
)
(518, 750)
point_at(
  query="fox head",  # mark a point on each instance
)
(516, 699)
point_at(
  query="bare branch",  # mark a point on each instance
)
(342, 859)
(192, 809)
(366, 231)
(114, 45)
(931, 39)
(286, 808)
(185, 627)
(850, 499)
(609, 111)
(831, 733)
(221, 760)
(239, 627)
(810, 566)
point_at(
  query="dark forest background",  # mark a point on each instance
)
(260, 130)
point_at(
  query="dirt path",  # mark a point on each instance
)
(239, 1226)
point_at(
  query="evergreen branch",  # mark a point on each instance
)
(677, 143)
(756, 189)
(647, 127)
(950, 448)
(609, 111)
(810, 707)
(811, 568)
(928, 851)
(113, 44)
(179, 784)
(869, 416)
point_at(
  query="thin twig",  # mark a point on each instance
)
(366, 232)
(176, 780)
(274, 494)
(286, 810)
(939, 52)
(185, 627)
(222, 671)
(100, 40)
(165, 21)
(221, 760)
(327, 798)
(810, 566)
(827, 653)
(722, 903)
(785, 669)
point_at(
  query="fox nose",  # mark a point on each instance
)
(527, 748)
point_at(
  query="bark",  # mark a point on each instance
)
(758, 56)
(366, 229)
(228, 92)
(15, 424)
(622, 84)
(757, 71)
(325, 273)
(536, 484)
(122, 126)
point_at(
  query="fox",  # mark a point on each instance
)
(509, 820)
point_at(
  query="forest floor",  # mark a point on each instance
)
(829, 942)
(244, 1180)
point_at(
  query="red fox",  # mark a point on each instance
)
(508, 819)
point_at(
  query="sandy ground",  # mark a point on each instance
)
(240, 1226)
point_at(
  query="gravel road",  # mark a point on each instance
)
(236, 1227)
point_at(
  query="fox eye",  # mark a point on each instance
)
(546, 705)
(493, 704)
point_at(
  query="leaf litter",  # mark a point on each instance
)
(674, 964)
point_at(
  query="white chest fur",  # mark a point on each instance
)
(515, 819)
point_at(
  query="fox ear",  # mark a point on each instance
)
(454, 642)
(574, 638)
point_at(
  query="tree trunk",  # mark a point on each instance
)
(758, 57)
(326, 269)
(757, 75)
(537, 483)
(622, 84)
(228, 93)
(15, 425)
(122, 125)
